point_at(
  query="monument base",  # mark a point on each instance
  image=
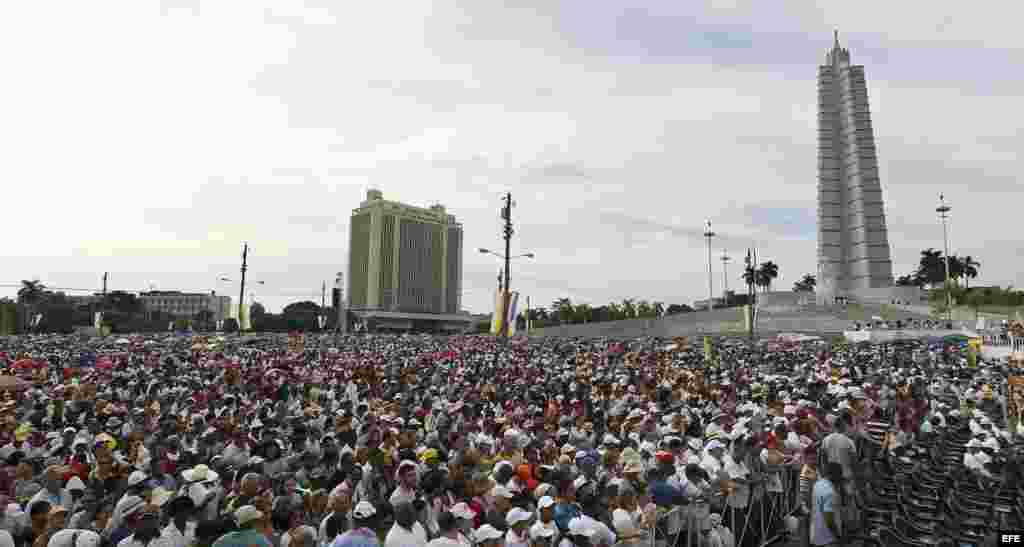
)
(896, 294)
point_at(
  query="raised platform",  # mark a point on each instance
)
(774, 319)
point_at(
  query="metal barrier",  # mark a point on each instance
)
(763, 518)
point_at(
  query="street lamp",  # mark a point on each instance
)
(711, 283)
(725, 276)
(943, 211)
(501, 256)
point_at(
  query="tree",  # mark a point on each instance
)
(765, 274)
(30, 295)
(970, 267)
(583, 313)
(301, 315)
(678, 308)
(659, 309)
(644, 309)
(806, 284)
(908, 280)
(563, 310)
(628, 308)
(931, 269)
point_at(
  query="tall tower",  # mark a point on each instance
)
(853, 244)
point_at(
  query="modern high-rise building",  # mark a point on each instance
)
(854, 261)
(405, 266)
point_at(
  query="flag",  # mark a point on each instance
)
(499, 312)
(513, 309)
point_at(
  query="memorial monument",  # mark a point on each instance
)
(854, 262)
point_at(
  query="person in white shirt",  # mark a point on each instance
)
(407, 531)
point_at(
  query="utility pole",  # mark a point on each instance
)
(527, 315)
(105, 274)
(943, 211)
(323, 303)
(506, 214)
(711, 283)
(241, 289)
(725, 275)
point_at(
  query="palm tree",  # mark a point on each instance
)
(931, 269)
(766, 274)
(750, 277)
(583, 313)
(30, 295)
(806, 284)
(614, 311)
(628, 308)
(970, 267)
(563, 308)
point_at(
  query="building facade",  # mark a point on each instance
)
(404, 260)
(854, 261)
(185, 305)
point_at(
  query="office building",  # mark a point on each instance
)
(185, 305)
(405, 266)
(854, 262)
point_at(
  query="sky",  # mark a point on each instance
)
(150, 139)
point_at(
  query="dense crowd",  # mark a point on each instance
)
(405, 441)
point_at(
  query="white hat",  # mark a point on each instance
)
(82, 538)
(463, 511)
(580, 527)
(715, 443)
(544, 502)
(517, 515)
(246, 514)
(364, 510)
(501, 491)
(74, 483)
(200, 473)
(137, 478)
(486, 533)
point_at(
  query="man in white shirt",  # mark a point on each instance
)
(840, 448)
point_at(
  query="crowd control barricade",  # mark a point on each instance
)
(764, 517)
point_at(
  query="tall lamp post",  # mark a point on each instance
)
(711, 282)
(725, 276)
(943, 211)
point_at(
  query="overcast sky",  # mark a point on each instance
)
(150, 139)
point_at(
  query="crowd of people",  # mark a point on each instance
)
(408, 441)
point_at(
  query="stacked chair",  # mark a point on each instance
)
(925, 494)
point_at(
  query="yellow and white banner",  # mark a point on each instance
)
(513, 310)
(499, 312)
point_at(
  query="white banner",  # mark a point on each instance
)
(322, 321)
(98, 320)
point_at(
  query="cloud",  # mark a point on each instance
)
(618, 130)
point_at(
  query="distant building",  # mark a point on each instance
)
(186, 305)
(405, 266)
